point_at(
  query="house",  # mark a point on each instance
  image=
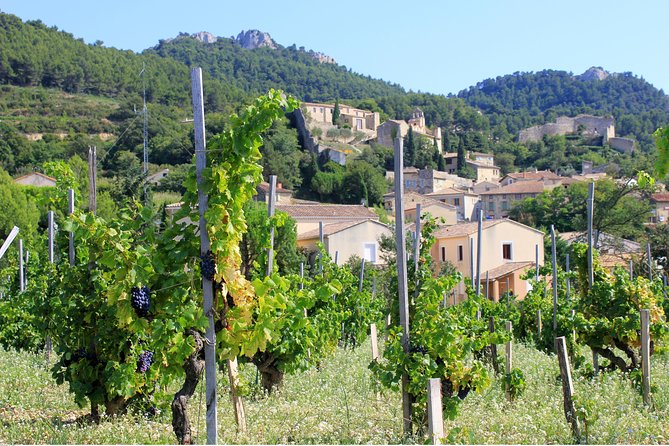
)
(613, 250)
(660, 210)
(428, 180)
(508, 250)
(545, 176)
(485, 186)
(497, 203)
(36, 179)
(282, 195)
(308, 216)
(445, 213)
(465, 202)
(483, 165)
(346, 239)
(356, 118)
(387, 132)
(157, 177)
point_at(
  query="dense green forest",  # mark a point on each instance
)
(58, 95)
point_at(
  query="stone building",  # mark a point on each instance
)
(498, 202)
(356, 118)
(391, 129)
(587, 124)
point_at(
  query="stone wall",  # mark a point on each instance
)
(625, 145)
(592, 125)
(309, 142)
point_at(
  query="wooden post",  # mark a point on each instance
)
(568, 282)
(400, 245)
(539, 324)
(631, 270)
(320, 238)
(435, 417)
(567, 387)
(478, 258)
(70, 211)
(573, 331)
(664, 285)
(650, 262)
(48, 347)
(375, 342)
(471, 260)
(416, 241)
(536, 262)
(270, 214)
(237, 405)
(92, 179)
(591, 205)
(336, 258)
(493, 347)
(509, 354)
(362, 274)
(301, 275)
(8, 241)
(207, 285)
(22, 277)
(555, 279)
(645, 355)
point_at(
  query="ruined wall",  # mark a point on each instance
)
(592, 125)
(625, 145)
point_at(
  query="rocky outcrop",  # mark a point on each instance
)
(322, 58)
(204, 37)
(253, 39)
(593, 73)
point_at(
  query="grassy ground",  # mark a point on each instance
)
(338, 405)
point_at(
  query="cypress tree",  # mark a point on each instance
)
(336, 113)
(461, 155)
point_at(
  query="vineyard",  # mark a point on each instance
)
(143, 331)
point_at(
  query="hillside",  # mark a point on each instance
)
(521, 100)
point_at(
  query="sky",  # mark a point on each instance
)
(435, 46)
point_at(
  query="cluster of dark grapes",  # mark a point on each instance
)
(141, 299)
(82, 354)
(144, 361)
(417, 349)
(207, 266)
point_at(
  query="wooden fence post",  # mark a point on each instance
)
(400, 245)
(301, 275)
(493, 347)
(568, 282)
(591, 273)
(362, 274)
(92, 179)
(567, 387)
(48, 347)
(22, 277)
(70, 211)
(375, 342)
(631, 269)
(509, 355)
(539, 326)
(8, 241)
(435, 417)
(207, 285)
(555, 279)
(478, 257)
(270, 214)
(645, 355)
(416, 240)
(650, 262)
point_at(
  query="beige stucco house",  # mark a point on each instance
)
(445, 213)
(498, 202)
(36, 179)
(282, 195)
(465, 202)
(508, 250)
(660, 210)
(357, 118)
(391, 129)
(544, 176)
(346, 239)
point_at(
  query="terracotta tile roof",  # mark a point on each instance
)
(333, 228)
(482, 164)
(539, 175)
(521, 187)
(428, 203)
(505, 269)
(463, 229)
(450, 191)
(607, 243)
(660, 196)
(328, 211)
(264, 186)
(28, 175)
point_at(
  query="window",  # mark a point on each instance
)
(369, 252)
(506, 251)
(505, 205)
(461, 253)
(443, 253)
(491, 207)
(456, 202)
(519, 196)
(321, 109)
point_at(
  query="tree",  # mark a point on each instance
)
(17, 208)
(461, 156)
(410, 149)
(336, 113)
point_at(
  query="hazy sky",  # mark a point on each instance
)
(430, 46)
